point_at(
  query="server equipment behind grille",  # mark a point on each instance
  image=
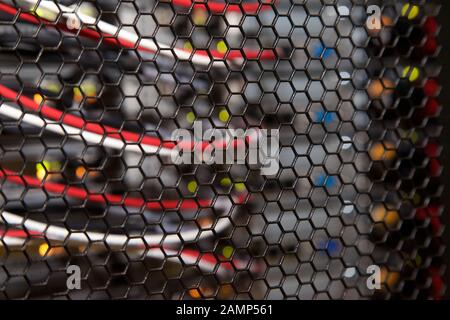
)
(92, 92)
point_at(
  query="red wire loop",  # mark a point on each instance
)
(266, 54)
(218, 7)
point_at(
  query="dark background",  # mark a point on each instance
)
(444, 18)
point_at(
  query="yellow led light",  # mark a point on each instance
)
(403, 133)
(89, 89)
(45, 166)
(46, 14)
(77, 95)
(225, 182)
(224, 116)
(414, 137)
(52, 87)
(240, 186)
(87, 9)
(187, 46)
(192, 186)
(222, 46)
(411, 73)
(417, 199)
(41, 169)
(38, 98)
(418, 260)
(43, 249)
(40, 174)
(227, 252)
(410, 11)
(200, 17)
(190, 117)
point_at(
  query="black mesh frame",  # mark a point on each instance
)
(357, 115)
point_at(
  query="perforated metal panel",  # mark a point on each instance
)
(93, 91)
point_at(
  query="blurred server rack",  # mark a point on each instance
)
(92, 91)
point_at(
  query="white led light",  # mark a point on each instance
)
(350, 272)
(347, 143)
(343, 11)
(345, 76)
(348, 208)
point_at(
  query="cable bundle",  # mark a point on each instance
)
(92, 92)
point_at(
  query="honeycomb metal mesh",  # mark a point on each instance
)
(356, 110)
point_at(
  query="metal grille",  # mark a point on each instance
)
(92, 91)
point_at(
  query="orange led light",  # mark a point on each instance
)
(195, 293)
(385, 22)
(381, 151)
(389, 217)
(80, 171)
(378, 88)
(389, 278)
(38, 98)
(205, 223)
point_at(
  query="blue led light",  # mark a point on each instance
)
(331, 245)
(325, 117)
(325, 181)
(321, 51)
(330, 182)
(320, 180)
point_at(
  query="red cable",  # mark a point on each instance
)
(199, 256)
(233, 54)
(81, 193)
(111, 132)
(23, 16)
(265, 54)
(19, 233)
(78, 122)
(217, 7)
(111, 199)
(207, 257)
